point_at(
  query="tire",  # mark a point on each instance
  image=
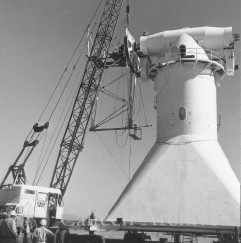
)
(64, 236)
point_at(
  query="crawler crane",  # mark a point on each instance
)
(73, 141)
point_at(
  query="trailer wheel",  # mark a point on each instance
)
(134, 237)
(57, 236)
(64, 236)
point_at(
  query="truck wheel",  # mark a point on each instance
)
(57, 236)
(64, 236)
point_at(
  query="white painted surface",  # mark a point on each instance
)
(212, 38)
(182, 184)
(185, 178)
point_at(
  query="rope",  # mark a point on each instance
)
(31, 140)
(60, 129)
(142, 101)
(68, 80)
(56, 105)
(39, 163)
(165, 82)
(112, 156)
(122, 75)
(130, 161)
(120, 146)
(65, 70)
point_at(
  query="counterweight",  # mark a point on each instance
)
(73, 139)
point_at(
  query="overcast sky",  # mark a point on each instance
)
(37, 40)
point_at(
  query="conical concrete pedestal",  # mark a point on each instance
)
(181, 182)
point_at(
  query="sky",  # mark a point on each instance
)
(36, 42)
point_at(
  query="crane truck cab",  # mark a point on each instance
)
(32, 202)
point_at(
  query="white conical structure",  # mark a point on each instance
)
(186, 178)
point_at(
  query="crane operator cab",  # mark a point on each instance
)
(32, 202)
(55, 202)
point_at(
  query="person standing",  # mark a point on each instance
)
(9, 229)
(26, 231)
(41, 233)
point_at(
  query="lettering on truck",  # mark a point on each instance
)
(40, 204)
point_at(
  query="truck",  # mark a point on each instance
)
(46, 202)
(32, 202)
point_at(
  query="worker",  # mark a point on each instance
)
(92, 215)
(26, 231)
(91, 222)
(41, 233)
(52, 206)
(9, 229)
(3, 216)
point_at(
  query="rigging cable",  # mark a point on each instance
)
(39, 164)
(31, 140)
(69, 78)
(56, 106)
(51, 151)
(112, 156)
(65, 70)
(105, 91)
(122, 124)
(60, 129)
(68, 64)
(122, 75)
(125, 142)
(59, 119)
(119, 35)
(130, 161)
(142, 101)
(32, 134)
(165, 82)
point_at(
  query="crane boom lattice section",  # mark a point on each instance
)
(73, 140)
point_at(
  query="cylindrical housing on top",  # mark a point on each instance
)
(186, 94)
(186, 102)
(213, 38)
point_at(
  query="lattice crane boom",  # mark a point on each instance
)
(73, 139)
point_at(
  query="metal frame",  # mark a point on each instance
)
(73, 140)
(18, 172)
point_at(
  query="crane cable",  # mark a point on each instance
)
(39, 164)
(64, 89)
(112, 156)
(129, 174)
(122, 122)
(57, 125)
(65, 70)
(51, 150)
(60, 80)
(30, 141)
(142, 101)
(68, 80)
(164, 85)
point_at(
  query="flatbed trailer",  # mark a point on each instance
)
(137, 231)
